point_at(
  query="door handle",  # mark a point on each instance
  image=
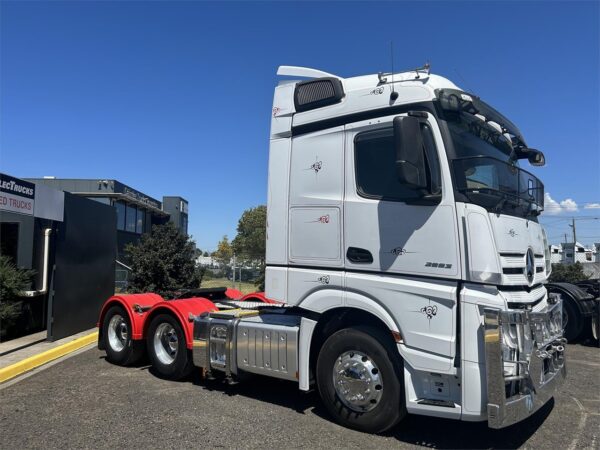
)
(359, 255)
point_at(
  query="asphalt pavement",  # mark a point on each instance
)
(85, 402)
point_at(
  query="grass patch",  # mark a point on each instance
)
(243, 286)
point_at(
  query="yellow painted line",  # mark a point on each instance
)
(40, 359)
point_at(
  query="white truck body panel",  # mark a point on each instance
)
(423, 256)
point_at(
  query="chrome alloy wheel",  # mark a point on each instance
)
(166, 343)
(118, 333)
(357, 381)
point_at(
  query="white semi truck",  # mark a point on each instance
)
(405, 264)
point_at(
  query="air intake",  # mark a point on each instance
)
(317, 93)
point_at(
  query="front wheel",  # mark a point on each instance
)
(360, 379)
(167, 349)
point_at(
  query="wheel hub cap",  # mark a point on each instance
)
(117, 333)
(166, 343)
(357, 381)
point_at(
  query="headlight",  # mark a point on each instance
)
(547, 254)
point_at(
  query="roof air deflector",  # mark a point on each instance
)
(305, 72)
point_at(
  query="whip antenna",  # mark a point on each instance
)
(394, 94)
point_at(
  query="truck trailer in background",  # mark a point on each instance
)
(405, 262)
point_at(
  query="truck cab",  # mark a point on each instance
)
(402, 196)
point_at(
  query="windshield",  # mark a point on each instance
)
(484, 169)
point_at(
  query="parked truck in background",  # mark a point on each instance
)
(405, 263)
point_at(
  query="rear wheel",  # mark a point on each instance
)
(167, 348)
(360, 379)
(116, 330)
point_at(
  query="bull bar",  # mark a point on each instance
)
(525, 361)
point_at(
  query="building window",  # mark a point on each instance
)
(9, 240)
(139, 224)
(131, 218)
(120, 206)
(184, 224)
(375, 161)
(148, 224)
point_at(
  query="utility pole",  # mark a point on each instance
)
(233, 273)
(574, 233)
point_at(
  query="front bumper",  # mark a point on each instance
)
(525, 361)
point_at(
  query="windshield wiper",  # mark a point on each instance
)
(498, 207)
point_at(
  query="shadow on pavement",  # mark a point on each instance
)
(445, 433)
(417, 430)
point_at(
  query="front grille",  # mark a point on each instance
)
(532, 296)
(514, 268)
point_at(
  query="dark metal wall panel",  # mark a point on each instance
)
(84, 271)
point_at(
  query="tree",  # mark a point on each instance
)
(163, 262)
(250, 242)
(205, 253)
(224, 251)
(568, 273)
(13, 281)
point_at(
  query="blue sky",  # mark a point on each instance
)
(174, 98)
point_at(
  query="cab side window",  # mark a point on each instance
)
(375, 166)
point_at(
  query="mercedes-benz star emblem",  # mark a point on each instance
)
(530, 265)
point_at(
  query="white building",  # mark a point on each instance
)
(577, 253)
(556, 254)
(207, 261)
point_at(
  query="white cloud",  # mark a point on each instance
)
(568, 205)
(552, 207)
(591, 206)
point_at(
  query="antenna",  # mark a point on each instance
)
(394, 94)
(464, 81)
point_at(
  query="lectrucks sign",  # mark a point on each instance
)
(16, 195)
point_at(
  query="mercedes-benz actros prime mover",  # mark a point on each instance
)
(405, 264)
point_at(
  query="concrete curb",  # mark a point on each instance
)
(40, 359)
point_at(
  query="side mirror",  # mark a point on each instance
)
(410, 158)
(535, 157)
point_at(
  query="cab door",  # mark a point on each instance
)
(396, 244)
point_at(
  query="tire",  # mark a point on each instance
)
(381, 373)
(116, 331)
(167, 348)
(572, 320)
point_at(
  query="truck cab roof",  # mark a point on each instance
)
(322, 96)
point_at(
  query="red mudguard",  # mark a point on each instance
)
(141, 308)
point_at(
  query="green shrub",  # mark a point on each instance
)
(13, 281)
(567, 273)
(163, 262)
